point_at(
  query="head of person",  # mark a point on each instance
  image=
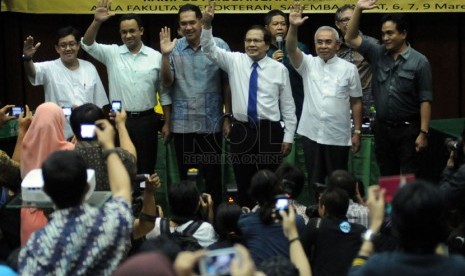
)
(226, 218)
(67, 44)
(326, 42)
(145, 264)
(276, 23)
(161, 244)
(342, 17)
(85, 114)
(263, 189)
(190, 23)
(418, 217)
(183, 200)
(131, 30)
(257, 41)
(291, 179)
(65, 178)
(394, 29)
(344, 180)
(334, 202)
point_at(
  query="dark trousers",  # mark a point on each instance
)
(395, 148)
(201, 151)
(144, 136)
(321, 161)
(253, 149)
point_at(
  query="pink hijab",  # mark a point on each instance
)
(44, 136)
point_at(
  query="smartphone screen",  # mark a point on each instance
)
(116, 106)
(16, 111)
(281, 204)
(217, 262)
(88, 132)
(67, 110)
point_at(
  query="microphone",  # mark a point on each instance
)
(279, 42)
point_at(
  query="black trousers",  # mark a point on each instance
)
(320, 161)
(201, 151)
(144, 134)
(252, 149)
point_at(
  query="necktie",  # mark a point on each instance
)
(253, 87)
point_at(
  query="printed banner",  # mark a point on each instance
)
(223, 6)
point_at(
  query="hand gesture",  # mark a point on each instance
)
(375, 204)
(242, 264)
(102, 12)
(289, 225)
(4, 117)
(206, 200)
(421, 142)
(105, 133)
(278, 55)
(120, 117)
(29, 49)
(153, 181)
(25, 119)
(208, 14)
(366, 4)
(295, 15)
(166, 45)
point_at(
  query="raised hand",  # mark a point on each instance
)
(102, 12)
(208, 14)
(29, 49)
(367, 4)
(295, 15)
(166, 45)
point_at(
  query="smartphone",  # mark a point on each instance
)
(88, 132)
(282, 204)
(16, 111)
(142, 183)
(392, 183)
(217, 262)
(67, 111)
(116, 106)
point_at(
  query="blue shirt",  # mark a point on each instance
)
(197, 91)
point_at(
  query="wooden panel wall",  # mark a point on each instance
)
(439, 36)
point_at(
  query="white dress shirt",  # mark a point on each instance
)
(328, 87)
(274, 95)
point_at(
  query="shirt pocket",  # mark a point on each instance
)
(406, 80)
(342, 88)
(383, 74)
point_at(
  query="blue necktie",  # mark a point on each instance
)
(253, 87)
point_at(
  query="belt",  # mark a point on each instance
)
(401, 123)
(138, 114)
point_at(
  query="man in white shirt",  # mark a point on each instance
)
(68, 81)
(259, 139)
(133, 77)
(331, 88)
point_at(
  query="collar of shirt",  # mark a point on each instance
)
(124, 50)
(261, 63)
(330, 61)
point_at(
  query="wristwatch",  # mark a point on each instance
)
(368, 235)
(26, 58)
(357, 131)
(425, 132)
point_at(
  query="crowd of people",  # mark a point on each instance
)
(258, 101)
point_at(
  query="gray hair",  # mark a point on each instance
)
(327, 28)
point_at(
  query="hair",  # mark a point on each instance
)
(336, 202)
(397, 18)
(65, 178)
(226, 218)
(344, 180)
(190, 7)
(266, 33)
(269, 16)
(418, 217)
(263, 189)
(131, 16)
(85, 114)
(162, 244)
(183, 200)
(291, 179)
(327, 28)
(342, 9)
(278, 266)
(65, 31)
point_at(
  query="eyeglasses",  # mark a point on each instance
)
(254, 40)
(63, 46)
(343, 20)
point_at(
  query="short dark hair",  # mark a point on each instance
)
(266, 33)
(65, 31)
(399, 19)
(344, 180)
(273, 13)
(190, 7)
(183, 200)
(342, 9)
(263, 186)
(131, 16)
(85, 114)
(65, 178)
(336, 202)
(226, 222)
(418, 217)
(291, 179)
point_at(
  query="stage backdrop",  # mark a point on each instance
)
(223, 6)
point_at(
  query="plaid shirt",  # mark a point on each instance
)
(357, 213)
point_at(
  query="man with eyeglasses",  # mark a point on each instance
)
(342, 16)
(332, 88)
(264, 120)
(68, 81)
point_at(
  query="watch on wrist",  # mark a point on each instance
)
(425, 132)
(368, 235)
(26, 58)
(357, 131)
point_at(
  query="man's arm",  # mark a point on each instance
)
(295, 20)
(118, 176)
(24, 121)
(227, 108)
(425, 116)
(166, 47)
(29, 49)
(353, 37)
(101, 15)
(123, 135)
(166, 128)
(356, 107)
(146, 221)
(4, 117)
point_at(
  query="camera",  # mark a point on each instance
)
(88, 132)
(16, 111)
(282, 204)
(116, 106)
(217, 262)
(456, 147)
